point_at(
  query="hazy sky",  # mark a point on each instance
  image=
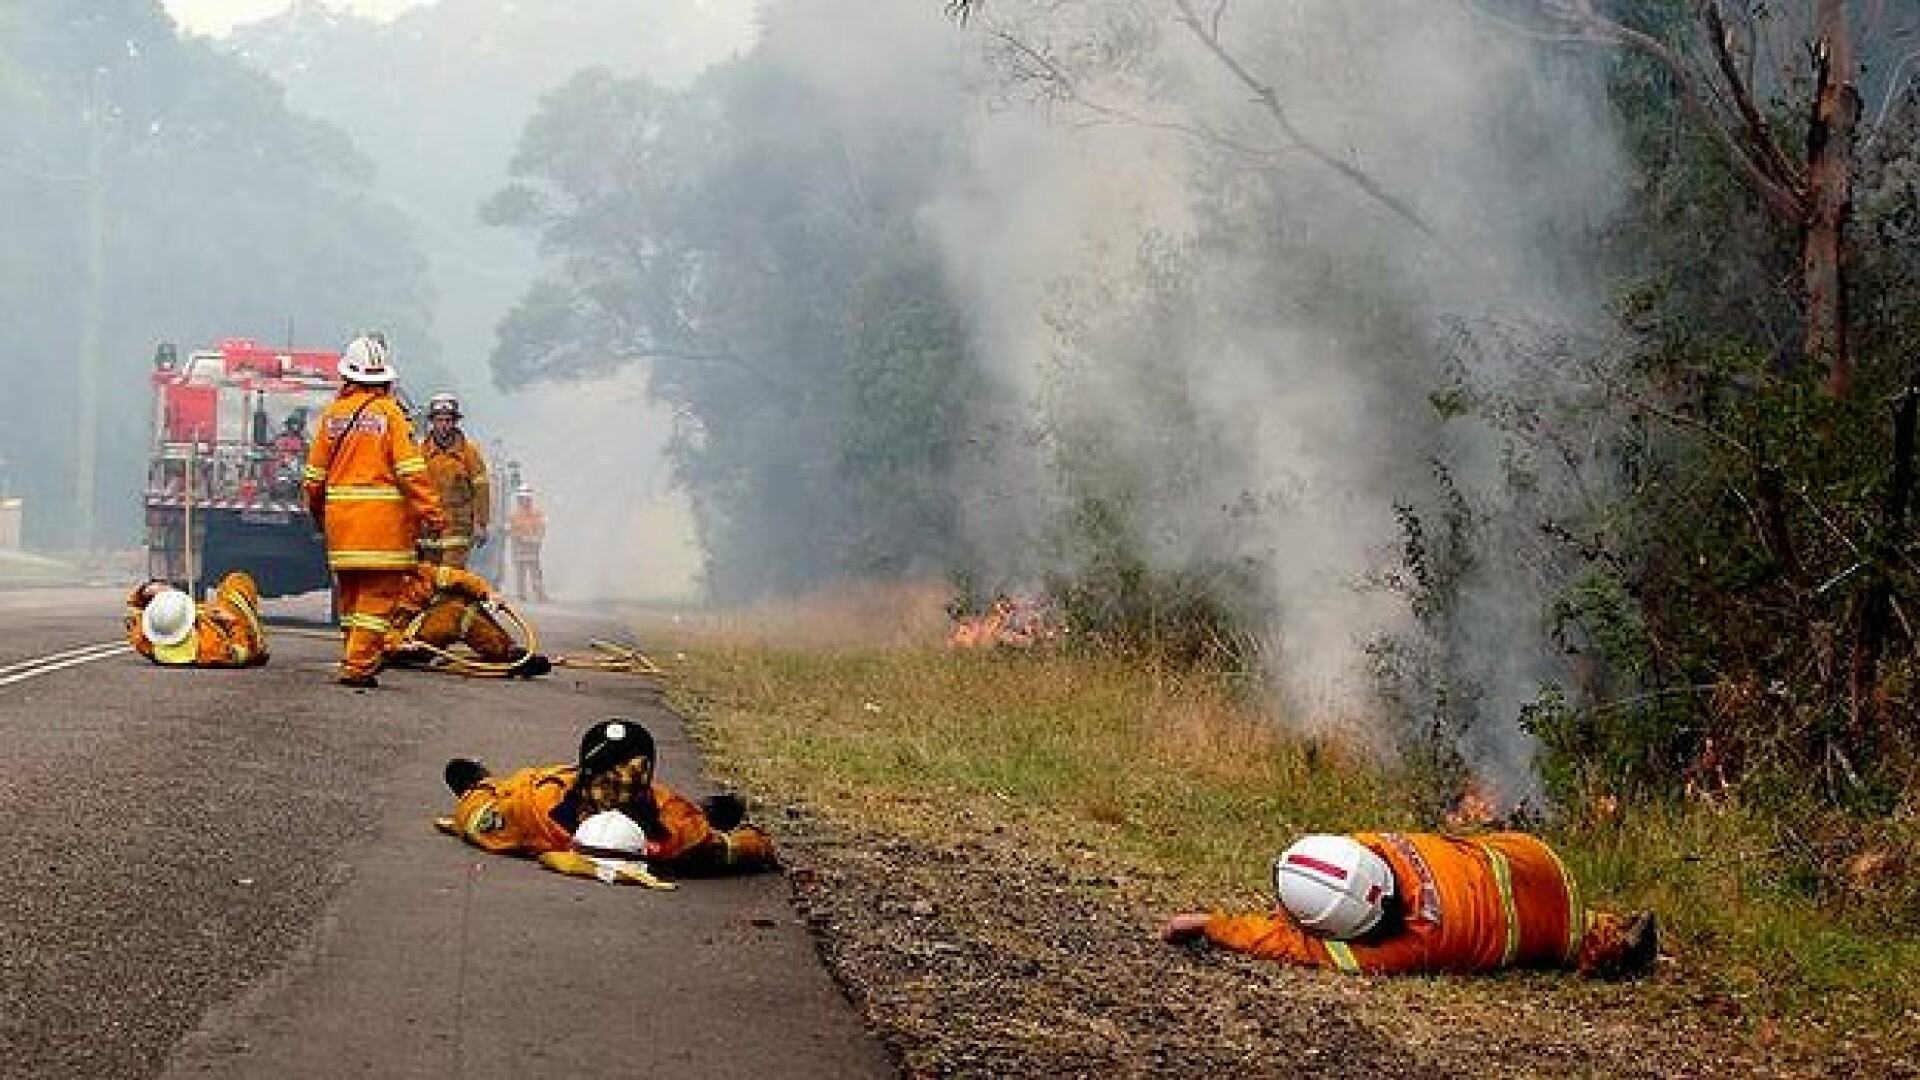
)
(220, 16)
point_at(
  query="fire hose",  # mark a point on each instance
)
(459, 664)
(611, 656)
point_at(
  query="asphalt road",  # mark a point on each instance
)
(233, 874)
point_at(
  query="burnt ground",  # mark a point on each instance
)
(987, 957)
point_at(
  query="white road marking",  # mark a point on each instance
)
(40, 665)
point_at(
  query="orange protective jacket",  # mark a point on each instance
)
(227, 630)
(1470, 904)
(440, 605)
(527, 526)
(367, 484)
(459, 474)
(514, 815)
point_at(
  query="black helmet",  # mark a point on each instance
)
(612, 743)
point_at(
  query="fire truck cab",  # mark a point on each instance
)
(231, 426)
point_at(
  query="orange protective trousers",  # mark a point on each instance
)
(366, 599)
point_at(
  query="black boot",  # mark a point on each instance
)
(528, 665)
(725, 810)
(463, 773)
(1643, 945)
(410, 655)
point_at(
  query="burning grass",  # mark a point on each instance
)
(1798, 943)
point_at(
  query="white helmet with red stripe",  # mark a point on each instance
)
(1334, 886)
(364, 360)
(611, 839)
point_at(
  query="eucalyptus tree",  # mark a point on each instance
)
(1757, 533)
(751, 243)
(160, 191)
(1768, 280)
(1783, 90)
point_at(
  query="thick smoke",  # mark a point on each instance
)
(1316, 312)
(594, 456)
(1286, 240)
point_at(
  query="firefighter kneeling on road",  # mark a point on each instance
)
(1381, 903)
(167, 627)
(441, 606)
(543, 811)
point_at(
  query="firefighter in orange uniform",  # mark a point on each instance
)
(1382, 903)
(366, 485)
(443, 606)
(536, 811)
(526, 531)
(460, 476)
(167, 627)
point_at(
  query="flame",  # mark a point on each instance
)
(1473, 807)
(1011, 621)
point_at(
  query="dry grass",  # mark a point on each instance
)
(1184, 790)
(850, 618)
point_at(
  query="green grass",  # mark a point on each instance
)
(1174, 779)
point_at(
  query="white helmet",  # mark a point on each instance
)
(364, 360)
(1334, 886)
(167, 620)
(443, 405)
(611, 839)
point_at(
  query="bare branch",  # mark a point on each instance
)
(1787, 201)
(1066, 89)
(1895, 84)
(1771, 156)
(1209, 37)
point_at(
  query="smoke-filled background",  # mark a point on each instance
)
(766, 297)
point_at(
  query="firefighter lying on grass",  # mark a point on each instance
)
(1379, 903)
(544, 811)
(440, 606)
(167, 627)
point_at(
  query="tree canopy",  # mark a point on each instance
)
(161, 191)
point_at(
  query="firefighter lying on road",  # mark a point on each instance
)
(441, 606)
(542, 811)
(167, 627)
(1379, 903)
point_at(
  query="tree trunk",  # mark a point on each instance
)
(1830, 140)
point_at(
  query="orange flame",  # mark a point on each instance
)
(1474, 807)
(1009, 621)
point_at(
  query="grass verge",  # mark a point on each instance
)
(1799, 939)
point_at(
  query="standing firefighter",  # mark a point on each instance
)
(527, 530)
(1379, 903)
(367, 487)
(459, 475)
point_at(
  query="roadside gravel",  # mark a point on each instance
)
(988, 957)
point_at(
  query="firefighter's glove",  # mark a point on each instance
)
(480, 536)
(575, 864)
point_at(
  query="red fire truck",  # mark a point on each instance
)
(231, 427)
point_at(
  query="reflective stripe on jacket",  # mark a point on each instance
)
(459, 474)
(366, 480)
(513, 815)
(440, 605)
(226, 630)
(1468, 904)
